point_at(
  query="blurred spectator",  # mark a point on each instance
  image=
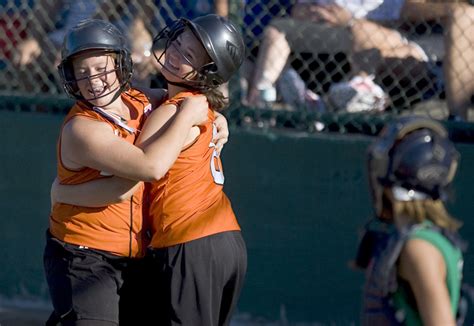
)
(13, 15)
(33, 57)
(12, 25)
(256, 16)
(457, 19)
(356, 28)
(308, 31)
(36, 56)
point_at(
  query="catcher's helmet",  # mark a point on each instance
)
(413, 157)
(98, 35)
(221, 40)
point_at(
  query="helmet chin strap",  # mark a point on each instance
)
(118, 91)
(121, 87)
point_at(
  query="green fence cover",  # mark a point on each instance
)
(301, 201)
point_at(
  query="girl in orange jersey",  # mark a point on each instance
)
(197, 249)
(197, 257)
(89, 249)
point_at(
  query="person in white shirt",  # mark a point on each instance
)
(361, 28)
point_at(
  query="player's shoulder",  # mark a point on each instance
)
(417, 255)
(84, 127)
(155, 96)
(162, 114)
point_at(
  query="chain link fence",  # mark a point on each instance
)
(324, 65)
(32, 34)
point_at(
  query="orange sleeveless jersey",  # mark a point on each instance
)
(187, 203)
(115, 228)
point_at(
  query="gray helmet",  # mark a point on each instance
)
(223, 43)
(414, 157)
(221, 40)
(94, 34)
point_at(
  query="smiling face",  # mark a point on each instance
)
(96, 78)
(184, 57)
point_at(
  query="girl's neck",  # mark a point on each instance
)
(175, 89)
(119, 108)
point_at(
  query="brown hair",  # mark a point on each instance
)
(420, 210)
(216, 99)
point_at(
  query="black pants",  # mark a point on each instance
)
(86, 286)
(198, 282)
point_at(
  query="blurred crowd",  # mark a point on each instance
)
(34, 31)
(370, 55)
(315, 55)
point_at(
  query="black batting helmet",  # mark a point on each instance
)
(413, 157)
(221, 40)
(99, 35)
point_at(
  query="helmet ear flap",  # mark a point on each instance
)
(66, 73)
(209, 68)
(124, 69)
(224, 45)
(211, 75)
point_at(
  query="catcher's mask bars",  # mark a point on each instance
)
(93, 36)
(222, 42)
(165, 40)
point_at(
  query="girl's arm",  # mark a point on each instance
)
(423, 266)
(157, 96)
(103, 192)
(157, 123)
(96, 193)
(89, 143)
(112, 190)
(160, 119)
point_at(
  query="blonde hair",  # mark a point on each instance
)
(428, 209)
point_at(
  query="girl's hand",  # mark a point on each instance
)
(222, 135)
(196, 107)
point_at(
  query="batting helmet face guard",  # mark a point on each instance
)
(414, 158)
(103, 38)
(221, 40)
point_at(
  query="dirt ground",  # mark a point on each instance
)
(22, 317)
